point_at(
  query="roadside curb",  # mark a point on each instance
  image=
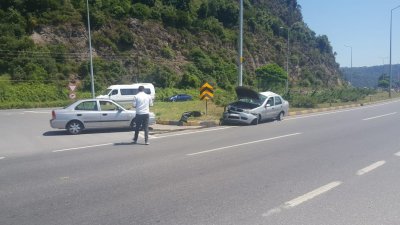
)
(210, 123)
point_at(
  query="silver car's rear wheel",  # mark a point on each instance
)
(74, 127)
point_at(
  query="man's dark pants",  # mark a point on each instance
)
(142, 120)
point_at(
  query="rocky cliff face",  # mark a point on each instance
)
(199, 44)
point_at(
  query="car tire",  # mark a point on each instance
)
(74, 127)
(255, 121)
(280, 116)
(133, 124)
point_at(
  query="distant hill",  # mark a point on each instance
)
(171, 43)
(368, 76)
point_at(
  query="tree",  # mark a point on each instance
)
(271, 76)
(383, 81)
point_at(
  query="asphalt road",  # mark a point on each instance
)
(334, 168)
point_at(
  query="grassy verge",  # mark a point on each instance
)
(173, 110)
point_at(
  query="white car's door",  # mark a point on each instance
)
(278, 106)
(270, 108)
(113, 116)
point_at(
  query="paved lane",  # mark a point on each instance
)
(320, 169)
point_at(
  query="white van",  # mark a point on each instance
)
(124, 93)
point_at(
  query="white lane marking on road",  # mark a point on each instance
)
(397, 154)
(310, 195)
(246, 143)
(304, 198)
(370, 168)
(2, 157)
(83, 147)
(376, 117)
(195, 132)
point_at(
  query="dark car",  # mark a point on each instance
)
(180, 98)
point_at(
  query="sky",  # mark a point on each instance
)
(364, 25)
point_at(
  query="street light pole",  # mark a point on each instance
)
(287, 56)
(240, 75)
(351, 63)
(390, 60)
(90, 50)
(287, 62)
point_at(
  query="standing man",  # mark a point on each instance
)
(142, 103)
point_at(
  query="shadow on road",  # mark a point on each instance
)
(124, 143)
(90, 131)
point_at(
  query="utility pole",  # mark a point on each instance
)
(90, 49)
(390, 76)
(351, 63)
(240, 76)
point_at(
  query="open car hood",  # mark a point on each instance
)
(245, 92)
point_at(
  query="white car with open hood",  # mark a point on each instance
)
(253, 107)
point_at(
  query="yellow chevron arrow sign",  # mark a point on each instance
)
(206, 91)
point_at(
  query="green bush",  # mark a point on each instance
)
(224, 97)
(162, 76)
(303, 101)
(32, 93)
(167, 52)
(169, 16)
(140, 11)
(214, 26)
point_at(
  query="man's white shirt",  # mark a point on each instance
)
(142, 103)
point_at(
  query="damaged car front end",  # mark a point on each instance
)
(252, 107)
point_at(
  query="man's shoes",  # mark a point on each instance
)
(134, 141)
(146, 143)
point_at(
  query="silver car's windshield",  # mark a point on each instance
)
(253, 100)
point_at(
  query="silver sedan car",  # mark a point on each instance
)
(94, 113)
(253, 107)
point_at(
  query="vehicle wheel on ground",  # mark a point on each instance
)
(74, 127)
(280, 116)
(133, 124)
(255, 121)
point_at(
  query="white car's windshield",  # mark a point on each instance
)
(106, 92)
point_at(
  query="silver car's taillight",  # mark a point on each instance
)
(53, 115)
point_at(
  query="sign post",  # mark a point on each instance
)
(206, 92)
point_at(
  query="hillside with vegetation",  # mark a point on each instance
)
(171, 43)
(373, 76)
